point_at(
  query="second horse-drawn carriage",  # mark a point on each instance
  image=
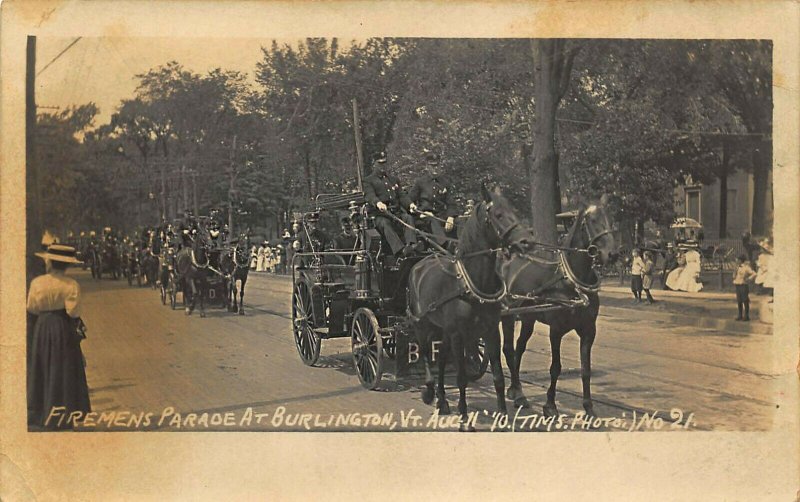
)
(105, 259)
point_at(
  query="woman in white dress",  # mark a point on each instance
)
(687, 277)
(262, 258)
(254, 258)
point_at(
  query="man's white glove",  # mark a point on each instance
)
(186, 230)
(412, 208)
(381, 206)
(449, 224)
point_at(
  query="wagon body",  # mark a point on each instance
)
(358, 293)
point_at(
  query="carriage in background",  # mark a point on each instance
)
(105, 258)
(358, 293)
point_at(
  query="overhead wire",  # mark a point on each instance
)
(59, 55)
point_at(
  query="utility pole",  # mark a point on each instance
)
(185, 186)
(194, 192)
(231, 189)
(34, 215)
(163, 190)
(359, 154)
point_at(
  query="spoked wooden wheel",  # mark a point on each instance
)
(478, 364)
(390, 347)
(173, 292)
(306, 340)
(367, 344)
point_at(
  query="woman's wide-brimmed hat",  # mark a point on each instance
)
(58, 252)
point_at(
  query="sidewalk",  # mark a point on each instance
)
(714, 310)
(706, 309)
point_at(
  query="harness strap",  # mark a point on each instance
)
(415, 229)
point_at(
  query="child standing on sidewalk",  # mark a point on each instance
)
(741, 277)
(637, 266)
(647, 276)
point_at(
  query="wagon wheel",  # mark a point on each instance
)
(390, 347)
(173, 292)
(306, 340)
(477, 366)
(367, 344)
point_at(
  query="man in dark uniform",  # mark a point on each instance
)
(346, 239)
(187, 228)
(384, 194)
(431, 194)
(312, 239)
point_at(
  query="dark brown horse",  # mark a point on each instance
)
(457, 298)
(569, 302)
(234, 262)
(192, 268)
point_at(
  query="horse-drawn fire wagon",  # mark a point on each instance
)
(357, 292)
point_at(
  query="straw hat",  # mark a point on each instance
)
(58, 252)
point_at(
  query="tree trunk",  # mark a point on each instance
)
(543, 184)
(723, 193)
(307, 172)
(762, 165)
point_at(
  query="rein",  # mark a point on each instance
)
(427, 235)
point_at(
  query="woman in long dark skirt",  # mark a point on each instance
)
(56, 376)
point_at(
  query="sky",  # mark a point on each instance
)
(102, 69)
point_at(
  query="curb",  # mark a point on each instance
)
(705, 295)
(727, 326)
(730, 326)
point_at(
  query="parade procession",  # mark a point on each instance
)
(401, 234)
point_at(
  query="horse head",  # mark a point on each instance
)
(202, 241)
(595, 233)
(507, 230)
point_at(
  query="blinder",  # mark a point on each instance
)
(503, 223)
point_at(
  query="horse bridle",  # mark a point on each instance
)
(591, 248)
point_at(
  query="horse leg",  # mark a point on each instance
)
(587, 334)
(444, 350)
(461, 379)
(493, 352)
(203, 290)
(422, 331)
(515, 389)
(190, 287)
(240, 285)
(550, 408)
(234, 301)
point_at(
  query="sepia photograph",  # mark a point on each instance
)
(392, 234)
(317, 231)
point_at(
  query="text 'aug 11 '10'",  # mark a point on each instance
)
(283, 419)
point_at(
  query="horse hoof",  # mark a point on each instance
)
(202, 314)
(427, 395)
(188, 312)
(522, 402)
(550, 410)
(443, 407)
(466, 428)
(241, 312)
(589, 409)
